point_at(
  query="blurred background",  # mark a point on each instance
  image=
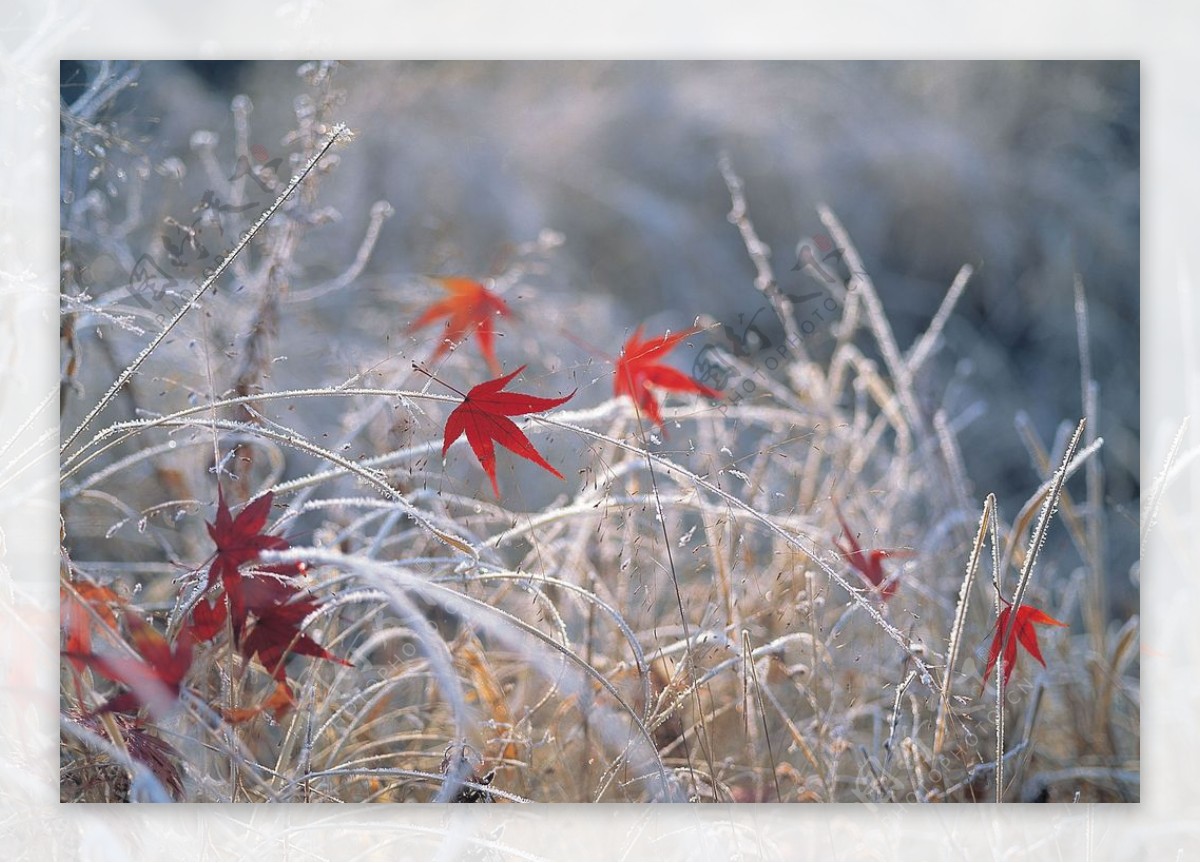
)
(1027, 171)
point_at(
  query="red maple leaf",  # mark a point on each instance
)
(239, 541)
(154, 679)
(266, 607)
(869, 564)
(484, 416)
(279, 702)
(76, 619)
(1023, 632)
(638, 368)
(470, 307)
(278, 609)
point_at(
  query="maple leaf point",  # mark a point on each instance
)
(1023, 633)
(869, 563)
(638, 368)
(470, 307)
(484, 416)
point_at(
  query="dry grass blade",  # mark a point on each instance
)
(924, 347)
(760, 255)
(751, 672)
(1095, 607)
(1036, 504)
(986, 519)
(489, 693)
(1039, 534)
(1035, 545)
(1154, 501)
(856, 595)
(882, 330)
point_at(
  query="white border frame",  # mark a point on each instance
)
(1165, 825)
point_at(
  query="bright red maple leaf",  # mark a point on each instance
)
(484, 416)
(1023, 632)
(154, 679)
(869, 563)
(239, 541)
(470, 307)
(639, 368)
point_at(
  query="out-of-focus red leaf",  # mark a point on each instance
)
(155, 679)
(278, 703)
(470, 307)
(76, 619)
(484, 416)
(1023, 633)
(207, 619)
(158, 756)
(869, 563)
(639, 368)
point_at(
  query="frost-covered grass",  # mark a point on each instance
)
(672, 621)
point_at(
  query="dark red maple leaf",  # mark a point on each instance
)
(868, 563)
(154, 679)
(1022, 632)
(639, 368)
(239, 541)
(279, 608)
(266, 607)
(470, 307)
(153, 753)
(484, 417)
